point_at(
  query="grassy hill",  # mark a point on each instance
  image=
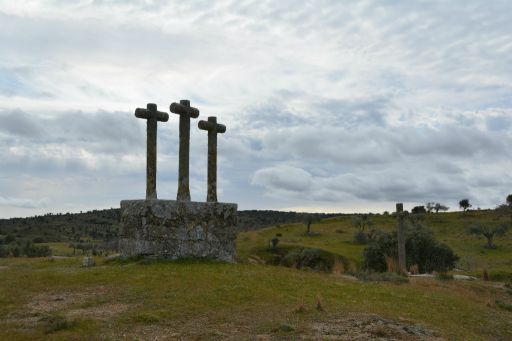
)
(336, 235)
(57, 299)
(103, 225)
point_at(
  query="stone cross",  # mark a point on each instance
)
(213, 128)
(401, 237)
(152, 116)
(186, 112)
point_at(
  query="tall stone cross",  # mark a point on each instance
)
(152, 116)
(186, 112)
(401, 238)
(213, 128)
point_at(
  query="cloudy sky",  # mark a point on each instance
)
(329, 105)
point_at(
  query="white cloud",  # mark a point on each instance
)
(331, 104)
(23, 203)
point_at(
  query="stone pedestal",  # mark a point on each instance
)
(172, 229)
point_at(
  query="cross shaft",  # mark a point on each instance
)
(213, 129)
(186, 112)
(152, 115)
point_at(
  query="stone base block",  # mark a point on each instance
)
(172, 229)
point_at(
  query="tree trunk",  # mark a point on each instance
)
(490, 244)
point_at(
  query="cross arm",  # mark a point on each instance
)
(212, 124)
(151, 112)
(181, 109)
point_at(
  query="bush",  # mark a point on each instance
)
(315, 259)
(38, 240)
(370, 276)
(3, 252)
(421, 249)
(54, 323)
(15, 251)
(32, 250)
(418, 210)
(360, 237)
(443, 276)
(503, 305)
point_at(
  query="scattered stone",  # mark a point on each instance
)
(423, 275)
(88, 262)
(464, 278)
(285, 328)
(112, 257)
(368, 326)
(253, 259)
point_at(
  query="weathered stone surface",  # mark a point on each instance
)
(178, 229)
(186, 112)
(152, 115)
(213, 129)
(88, 262)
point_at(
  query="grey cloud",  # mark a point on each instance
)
(19, 123)
(355, 112)
(502, 122)
(103, 131)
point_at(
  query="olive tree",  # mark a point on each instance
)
(489, 232)
(464, 204)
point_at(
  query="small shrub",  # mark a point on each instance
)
(16, 251)
(338, 267)
(286, 328)
(340, 231)
(414, 270)
(319, 305)
(145, 318)
(314, 259)
(503, 305)
(370, 276)
(443, 276)
(301, 309)
(53, 323)
(9, 239)
(38, 240)
(392, 264)
(274, 242)
(37, 251)
(360, 237)
(485, 275)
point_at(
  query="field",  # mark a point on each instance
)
(57, 299)
(336, 234)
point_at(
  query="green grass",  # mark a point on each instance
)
(449, 228)
(194, 299)
(61, 249)
(57, 299)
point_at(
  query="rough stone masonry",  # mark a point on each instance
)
(174, 229)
